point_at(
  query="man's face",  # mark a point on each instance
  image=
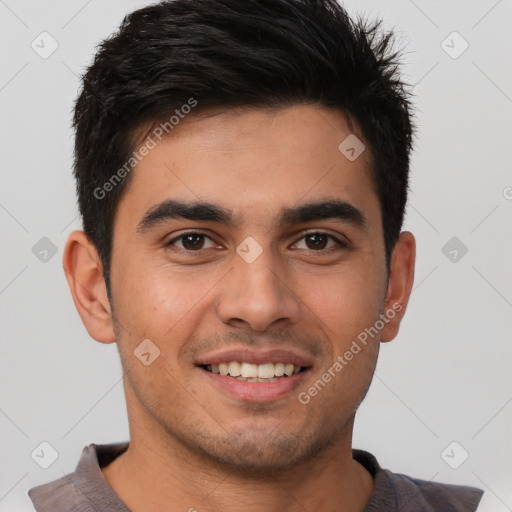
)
(256, 291)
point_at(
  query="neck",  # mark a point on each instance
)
(181, 479)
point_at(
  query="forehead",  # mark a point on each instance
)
(255, 161)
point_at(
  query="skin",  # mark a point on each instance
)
(191, 444)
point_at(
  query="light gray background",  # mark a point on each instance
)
(447, 375)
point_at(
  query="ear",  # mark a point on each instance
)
(84, 273)
(401, 278)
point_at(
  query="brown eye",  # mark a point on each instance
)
(320, 241)
(191, 242)
(317, 241)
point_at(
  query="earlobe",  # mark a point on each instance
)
(401, 279)
(84, 273)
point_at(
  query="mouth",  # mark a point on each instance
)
(248, 372)
(255, 376)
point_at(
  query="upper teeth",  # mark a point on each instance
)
(263, 371)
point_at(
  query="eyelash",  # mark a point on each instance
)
(341, 245)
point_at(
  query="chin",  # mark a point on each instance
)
(262, 455)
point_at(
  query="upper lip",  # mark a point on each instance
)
(244, 355)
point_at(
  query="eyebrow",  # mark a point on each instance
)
(206, 211)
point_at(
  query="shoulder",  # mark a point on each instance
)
(58, 494)
(84, 490)
(417, 494)
(399, 492)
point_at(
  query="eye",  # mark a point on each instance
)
(194, 241)
(318, 241)
(191, 241)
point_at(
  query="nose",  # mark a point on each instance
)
(259, 294)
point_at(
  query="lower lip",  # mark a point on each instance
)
(255, 391)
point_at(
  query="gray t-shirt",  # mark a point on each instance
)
(86, 490)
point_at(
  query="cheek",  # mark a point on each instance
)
(346, 301)
(163, 304)
(158, 305)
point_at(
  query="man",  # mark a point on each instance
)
(242, 173)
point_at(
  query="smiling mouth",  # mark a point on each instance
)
(247, 372)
